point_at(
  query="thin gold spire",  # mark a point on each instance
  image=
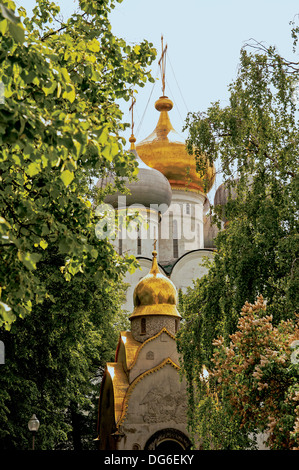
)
(155, 268)
(162, 64)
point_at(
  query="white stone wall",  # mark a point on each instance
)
(145, 227)
(153, 353)
(157, 401)
(185, 217)
(189, 268)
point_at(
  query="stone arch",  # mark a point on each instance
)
(170, 438)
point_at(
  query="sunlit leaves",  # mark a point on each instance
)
(29, 259)
(67, 177)
(59, 130)
(11, 23)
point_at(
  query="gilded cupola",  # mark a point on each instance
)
(155, 294)
(155, 305)
(165, 151)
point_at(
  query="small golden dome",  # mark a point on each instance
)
(165, 151)
(155, 294)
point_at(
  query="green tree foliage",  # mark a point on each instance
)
(60, 286)
(60, 125)
(54, 361)
(255, 138)
(252, 387)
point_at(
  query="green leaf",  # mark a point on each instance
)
(4, 222)
(110, 151)
(103, 135)
(7, 315)
(106, 152)
(43, 244)
(3, 26)
(17, 32)
(33, 168)
(58, 89)
(49, 88)
(67, 177)
(9, 14)
(13, 22)
(93, 45)
(65, 74)
(29, 259)
(70, 93)
(64, 245)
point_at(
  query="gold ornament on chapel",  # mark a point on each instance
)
(155, 294)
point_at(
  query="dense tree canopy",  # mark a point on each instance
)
(55, 357)
(256, 139)
(60, 286)
(252, 387)
(59, 126)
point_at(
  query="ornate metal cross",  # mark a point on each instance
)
(162, 64)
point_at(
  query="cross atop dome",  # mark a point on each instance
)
(162, 64)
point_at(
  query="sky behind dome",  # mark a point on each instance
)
(203, 38)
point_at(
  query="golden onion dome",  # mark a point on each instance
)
(155, 294)
(165, 151)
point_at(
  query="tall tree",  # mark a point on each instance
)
(256, 140)
(55, 357)
(60, 286)
(59, 126)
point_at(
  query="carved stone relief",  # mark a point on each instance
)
(161, 407)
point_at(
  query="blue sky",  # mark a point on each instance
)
(204, 39)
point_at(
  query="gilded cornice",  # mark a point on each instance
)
(131, 347)
(120, 386)
(137, 380)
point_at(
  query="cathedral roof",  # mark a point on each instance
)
(166, 151)
(155, 294)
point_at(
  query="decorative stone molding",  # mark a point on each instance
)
(169, 434)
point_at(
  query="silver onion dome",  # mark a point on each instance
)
(152, 189)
